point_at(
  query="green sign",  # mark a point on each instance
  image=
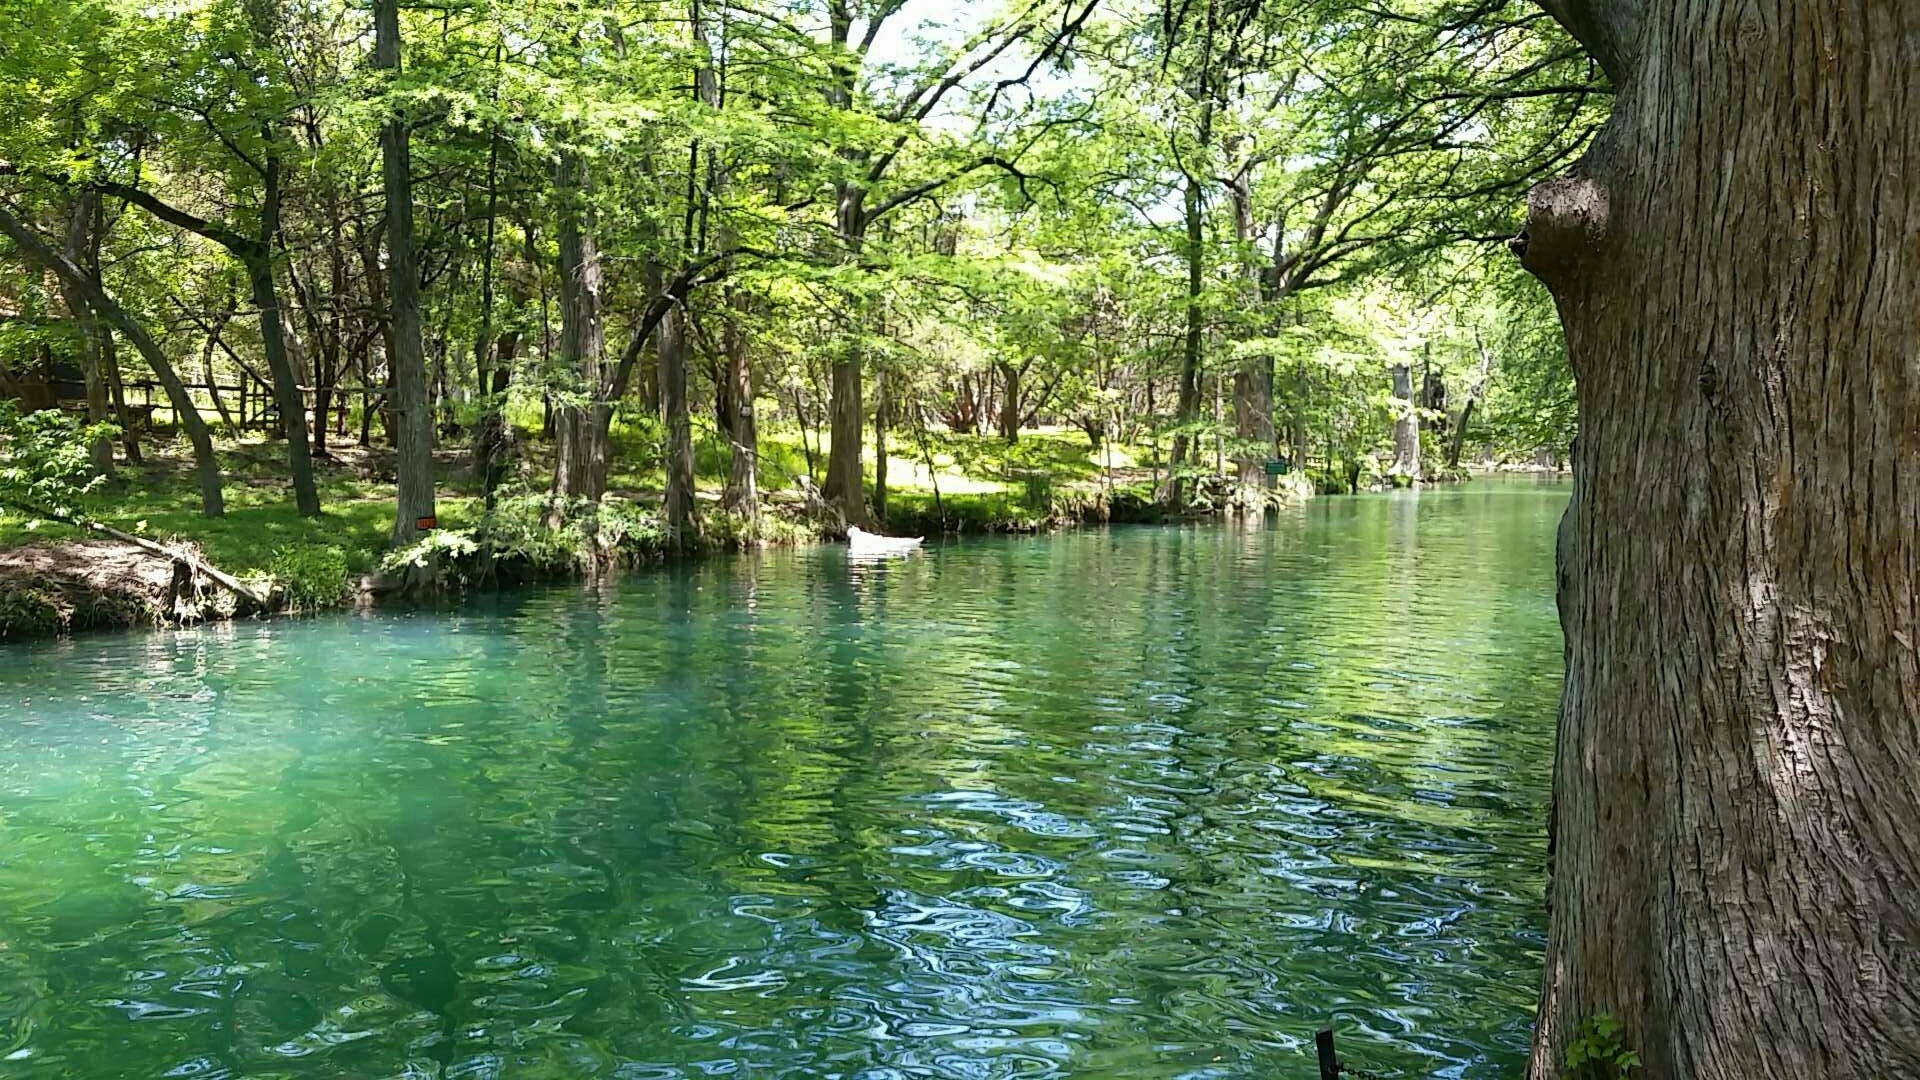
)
(1278, 468)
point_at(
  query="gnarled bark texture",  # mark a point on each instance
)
(1736, 866)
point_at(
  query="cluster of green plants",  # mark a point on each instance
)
(45, 466)
(310, 578)
(1599, 1051)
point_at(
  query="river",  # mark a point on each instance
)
(1139, 802)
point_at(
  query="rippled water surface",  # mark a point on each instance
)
(1147, 802)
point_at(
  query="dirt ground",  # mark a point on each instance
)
(48, 589)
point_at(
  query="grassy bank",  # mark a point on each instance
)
(53, 578)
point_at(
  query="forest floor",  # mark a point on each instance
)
(54, 578)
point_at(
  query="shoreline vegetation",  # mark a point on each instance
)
(532, 296)
(135, 552)
(146, 558)
(308, 324)
(151, 561)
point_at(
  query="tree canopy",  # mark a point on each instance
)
(1212, 231)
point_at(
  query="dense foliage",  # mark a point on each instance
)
(1214, 232)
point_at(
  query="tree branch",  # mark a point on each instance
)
(1609, 29)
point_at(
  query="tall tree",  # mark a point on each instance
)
(412, 417)
(84, 226)
(585, 411)
(1736, 875)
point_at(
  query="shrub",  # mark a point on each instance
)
(312, 577)
(43, 459)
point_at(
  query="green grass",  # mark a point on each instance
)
(983, 482)
(161, 501)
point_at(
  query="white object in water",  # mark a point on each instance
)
(862, 542)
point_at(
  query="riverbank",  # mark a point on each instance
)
(56, 579)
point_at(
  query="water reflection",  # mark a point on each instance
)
(1139, 802)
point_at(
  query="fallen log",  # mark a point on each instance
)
(179, 556)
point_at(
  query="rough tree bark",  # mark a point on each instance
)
(83, 250)
(845, 408)
(1188, 409)
(673, 348)
(1010, 400)
(412, 418)
(742, 494)
(1406, 427)
(1736, 872)
(581, 414)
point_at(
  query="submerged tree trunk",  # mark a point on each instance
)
(1736, 873)
(412, 417)
(1406, 426)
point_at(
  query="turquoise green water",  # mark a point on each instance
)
(1132, 803)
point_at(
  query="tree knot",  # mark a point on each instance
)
(1566, 222)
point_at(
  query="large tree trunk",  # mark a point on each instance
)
(682, 521)
(742, 495)
(96, 338)
(1188, 409)
(582, 415)
(1736, 871)
(846, 412)
(87, 288)
(286, 381)
(1406, 426)
(1010, 402)
(412, 418)
(846, 422)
